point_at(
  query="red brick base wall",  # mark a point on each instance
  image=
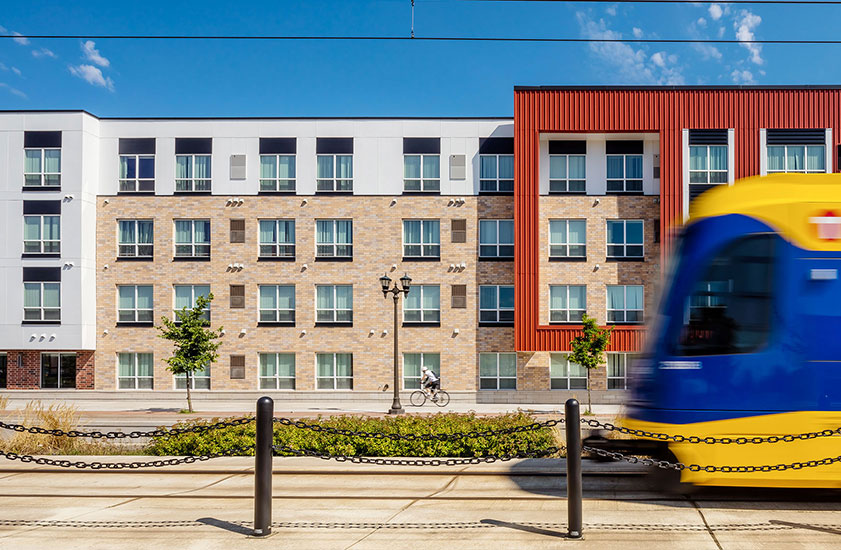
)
(23, 369)
(85, 370)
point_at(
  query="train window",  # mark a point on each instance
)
(729, 308)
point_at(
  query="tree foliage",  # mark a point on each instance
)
(588, 349)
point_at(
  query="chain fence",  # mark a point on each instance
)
(160, 432)
(484, 459)
(97, 465)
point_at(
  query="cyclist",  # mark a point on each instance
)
(430, 382)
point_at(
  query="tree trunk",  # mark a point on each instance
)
(589, 402)
(189, 400)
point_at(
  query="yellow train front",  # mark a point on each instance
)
(747, 341)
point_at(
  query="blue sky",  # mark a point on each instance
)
(363, 78)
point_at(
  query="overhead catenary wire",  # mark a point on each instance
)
(372, 38)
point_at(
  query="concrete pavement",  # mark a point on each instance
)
(332, 506)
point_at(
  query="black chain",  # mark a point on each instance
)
(40, 460)
(711, 440)
(420, 462)
(418, 437)
(666, 465)
(131, 435)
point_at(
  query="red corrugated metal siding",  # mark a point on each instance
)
(667, 111)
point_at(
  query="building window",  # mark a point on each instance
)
(421, 239)
(566, 375)
(334, 304)
(136, 239)
(277, 371)
(41, 234)
(185, 297)
(496, 173)
(624, 166)
(567, 303)
(707, 164)
(334, 238)
(796, 158)
(334, 371)
(422, 304)
(567, 238)
(617, 370)
(58, 370)
(624, 239)
(498, 371)
(134, 304)
(192, 172)
(412, 363)
(496, 238)
(41, 301)
(421, 172)
(42, 167)
(135, 371)
(192, 238)
(567, 174)
(277, 303)
(277, 238)
(137, 173)
(199, 379)
(624, 304)
(277, 172)
(335, 173)
(496, 304)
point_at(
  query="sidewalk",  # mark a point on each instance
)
(326, 506)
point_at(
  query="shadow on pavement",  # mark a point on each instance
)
(521, 527)
(226, 525)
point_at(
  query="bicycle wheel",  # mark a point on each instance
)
(418, 398)
(443, 398)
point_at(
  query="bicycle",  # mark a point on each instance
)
(419, 397)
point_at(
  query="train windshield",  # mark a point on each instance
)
(728, 305)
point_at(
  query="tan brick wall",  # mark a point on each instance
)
(377, 246)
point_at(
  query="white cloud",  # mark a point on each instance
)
(13, 91)
(17, 71)
(93, 55)
(611, 10)
(92, 75)
(742, 77)
(20, 39)
(630, 65)
(745, 23)
(637, 32)
(707, 51)
(44, 52)
(701, 22)
(721, 31)
(715, 12)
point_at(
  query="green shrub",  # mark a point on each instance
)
(226, 439)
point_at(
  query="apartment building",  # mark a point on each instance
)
(289, 223)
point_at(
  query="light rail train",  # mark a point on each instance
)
(747, 340)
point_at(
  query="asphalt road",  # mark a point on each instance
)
(325, 505)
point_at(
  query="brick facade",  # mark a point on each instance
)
(23, 370)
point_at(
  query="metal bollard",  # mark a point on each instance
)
(574, 489)
(263, 467)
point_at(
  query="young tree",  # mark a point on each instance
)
(588, 349)
(195, 343)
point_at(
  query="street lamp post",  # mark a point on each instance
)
(396, 291)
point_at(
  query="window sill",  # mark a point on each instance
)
(135, 258)
(279, 193)
(579, 193)
(421, 259)
(43, 188)
(334, 192)
(138, 324)
(496, 193)
(496, 258)
(626, 193)
(334, 258)
(191, 259)
(421, 324)
(275, 258)
(501, 324)
(276, 324)
(420, 193)
(199, 193)
(34, 255)
(565, 259)
(137, 193)
(627, 323)
(40, 322)
(332, 324)
(566, 323)
(621, 259)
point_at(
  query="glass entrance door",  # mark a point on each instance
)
(58, 370)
